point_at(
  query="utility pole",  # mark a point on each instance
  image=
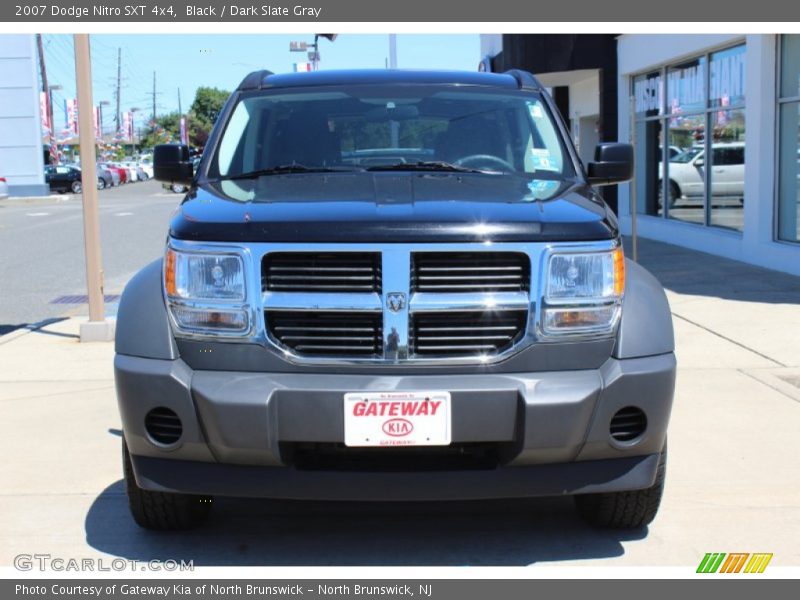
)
(180, 110)
(97, 328)
(154, 99)
(118, 119)
(46, 90)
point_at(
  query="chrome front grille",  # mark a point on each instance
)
(470, 272)
(328, 333)
(322, 271)
(465, 333)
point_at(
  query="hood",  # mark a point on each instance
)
(391, 207)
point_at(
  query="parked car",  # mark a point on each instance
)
(459, 327)
(147, 169)
(687, 173)
(3, 188)
(181, 188)
(105, 176)
(112, 171)
(63, 178)
(133, 170)
(122, 171)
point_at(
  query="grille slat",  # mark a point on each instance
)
(466, 332)
(310, 332)
(469, 272)
(322, 271)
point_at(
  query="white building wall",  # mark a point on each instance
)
(491, 44)
(21, 158)
(640, 53)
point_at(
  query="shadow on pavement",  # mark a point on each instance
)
(696, 273)
(247, 532)
(8, 327)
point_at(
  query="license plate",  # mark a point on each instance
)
(397, 419)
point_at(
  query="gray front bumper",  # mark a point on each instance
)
(235, 422)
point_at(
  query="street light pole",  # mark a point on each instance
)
(134, 110)
(97, 328)
(53, 142)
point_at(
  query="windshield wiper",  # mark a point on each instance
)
(430, 165)
(283, 169)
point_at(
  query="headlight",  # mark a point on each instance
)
(204, 276)
(206, 292)
(582, 293)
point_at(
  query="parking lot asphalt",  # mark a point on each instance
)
(733, 482)
(43, 248)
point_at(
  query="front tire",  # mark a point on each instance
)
(625, 510)
(101, 184)
(162, 511)
(76, 187)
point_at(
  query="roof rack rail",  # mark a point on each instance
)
(525, 80)
(255, 80)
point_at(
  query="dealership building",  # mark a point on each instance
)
(715, 122)
(20, 121)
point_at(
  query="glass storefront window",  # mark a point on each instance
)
(648, 93)
(684, 112)
(790, 66)
(649, 148)
(685, 171)
(726, 170)
(686, 86)
(727, 77)
(789, 141)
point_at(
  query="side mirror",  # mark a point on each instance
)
(613, 163)
(700, 162)
(171, 164)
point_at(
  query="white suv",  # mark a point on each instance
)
(687, 173)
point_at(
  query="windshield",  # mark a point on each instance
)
(411, 127)
(686, 156)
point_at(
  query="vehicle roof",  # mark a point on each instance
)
(266, 79)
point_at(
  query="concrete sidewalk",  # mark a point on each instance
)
(733, 479)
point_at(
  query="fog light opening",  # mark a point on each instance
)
(628, 424)
(163, 426)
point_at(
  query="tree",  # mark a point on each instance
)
(166, 129)
(203, 113)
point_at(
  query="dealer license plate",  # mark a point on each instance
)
(397, 419)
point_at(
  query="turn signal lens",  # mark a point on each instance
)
(619, 272)
(169, 273)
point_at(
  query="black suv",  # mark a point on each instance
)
(389, 285)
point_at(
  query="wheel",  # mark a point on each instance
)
(101, 185)
(162, 511)
(178, 188)
(674, 194)
(76, 187)
(625, 510)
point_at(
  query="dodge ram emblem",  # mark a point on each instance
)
(395, 301)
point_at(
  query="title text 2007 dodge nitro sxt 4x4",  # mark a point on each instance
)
(393, 285)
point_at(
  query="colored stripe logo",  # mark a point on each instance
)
(734, 562)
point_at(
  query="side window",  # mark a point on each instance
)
(229, 147)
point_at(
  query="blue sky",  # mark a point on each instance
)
(190, 61)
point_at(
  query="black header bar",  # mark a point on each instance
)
(465, 11)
